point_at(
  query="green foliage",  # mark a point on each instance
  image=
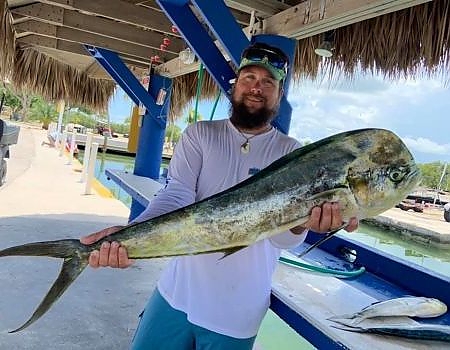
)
(84, 110)
(11, 99)
(18, 102)
(121, 128)
(431, 174)
(43, 111)
(173, 132)
(78, 116)
(190, 118)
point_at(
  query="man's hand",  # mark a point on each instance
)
(110, 254)
(326, 219)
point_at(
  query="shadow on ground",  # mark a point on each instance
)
(98, 311)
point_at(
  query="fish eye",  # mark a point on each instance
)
(396, 174)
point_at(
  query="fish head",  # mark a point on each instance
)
(383, 173)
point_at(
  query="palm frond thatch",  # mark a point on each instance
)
(407, 42)
(184, 90)
(7, 41)
(54, 80)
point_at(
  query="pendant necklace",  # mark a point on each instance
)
(245, 147)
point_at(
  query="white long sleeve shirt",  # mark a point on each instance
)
(229, 296)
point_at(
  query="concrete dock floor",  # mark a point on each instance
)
(43, 200)
(428, 227)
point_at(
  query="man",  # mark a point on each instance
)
(203, 301)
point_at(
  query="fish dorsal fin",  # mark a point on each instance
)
(70, 270)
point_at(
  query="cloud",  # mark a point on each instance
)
(425, 145)
(413, 107)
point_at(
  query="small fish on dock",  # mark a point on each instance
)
(406, 306)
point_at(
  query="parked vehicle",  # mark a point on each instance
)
(9, 135)
(447, 212)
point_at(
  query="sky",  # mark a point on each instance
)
(417, 110)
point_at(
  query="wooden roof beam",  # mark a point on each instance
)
(72, 47)
(82, 37)
(262, 8)
(121, 11)
(317, 16)
(97, 25)
(242, 17)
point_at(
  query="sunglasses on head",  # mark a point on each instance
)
(259, 54)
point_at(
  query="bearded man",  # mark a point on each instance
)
(203, 301)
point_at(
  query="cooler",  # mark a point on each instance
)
(9, 134)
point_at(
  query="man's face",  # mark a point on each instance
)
(256, 97)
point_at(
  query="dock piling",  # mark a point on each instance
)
(91, 167)
(87, 153)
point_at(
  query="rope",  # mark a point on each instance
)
(335, 273)
(199, 89)
(215, 105)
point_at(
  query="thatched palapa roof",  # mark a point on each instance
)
(58, 81)
(407, 42)
(42, 43)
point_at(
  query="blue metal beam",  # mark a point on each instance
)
(200, 41)
(115, 67)
(224, 26)
(100, 59)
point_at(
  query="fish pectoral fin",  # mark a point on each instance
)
(349, 328)
(344, 317)
(70, 270)
(232, 250)
(331, 195)
(346, 320)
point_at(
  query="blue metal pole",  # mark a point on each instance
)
(113, 64)
(224, 26)
(200, 41)
(283, 121)
(151, 137)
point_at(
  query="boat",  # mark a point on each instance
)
(404, 205)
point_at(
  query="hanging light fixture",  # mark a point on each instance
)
(326, 48)
(187, 56)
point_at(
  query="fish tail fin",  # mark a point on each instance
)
(57, 249)
(75, 257)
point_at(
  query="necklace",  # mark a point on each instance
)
(245, 147)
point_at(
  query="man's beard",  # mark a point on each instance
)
(241, 117)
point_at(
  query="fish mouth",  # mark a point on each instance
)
(414, 175)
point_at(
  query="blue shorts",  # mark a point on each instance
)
(163, 327)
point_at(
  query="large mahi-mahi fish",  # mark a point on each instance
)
(368, 171)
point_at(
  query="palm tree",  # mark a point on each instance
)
(191, 117)
(43, 111)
